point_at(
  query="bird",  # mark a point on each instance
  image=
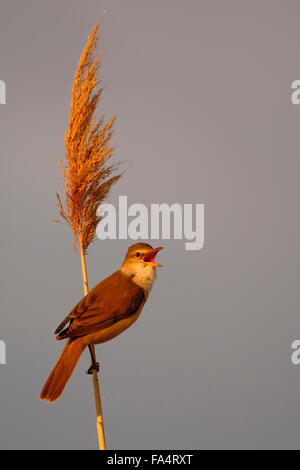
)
(106, 311)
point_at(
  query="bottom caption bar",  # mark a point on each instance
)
(147, 458)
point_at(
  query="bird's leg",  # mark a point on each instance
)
(94, 364)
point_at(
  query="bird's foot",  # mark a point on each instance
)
(93, 367)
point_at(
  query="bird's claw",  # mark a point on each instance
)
(93, 367)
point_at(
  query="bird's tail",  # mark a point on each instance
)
(63, 370)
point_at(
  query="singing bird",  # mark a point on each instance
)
(109, 309)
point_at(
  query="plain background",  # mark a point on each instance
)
(202, 90)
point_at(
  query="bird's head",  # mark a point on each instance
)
(141, 255)
(140, 263)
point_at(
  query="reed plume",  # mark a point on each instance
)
(87, 172)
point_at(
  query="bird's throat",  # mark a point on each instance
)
(142, 276)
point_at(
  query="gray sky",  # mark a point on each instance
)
(202, 92)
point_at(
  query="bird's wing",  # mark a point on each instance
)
(78, 310)
(115, 298)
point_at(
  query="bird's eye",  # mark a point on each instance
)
(138, 254)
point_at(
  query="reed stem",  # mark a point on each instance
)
(99, 422)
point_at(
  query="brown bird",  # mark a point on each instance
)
(110, 308)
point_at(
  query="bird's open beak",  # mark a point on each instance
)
(150, 257)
